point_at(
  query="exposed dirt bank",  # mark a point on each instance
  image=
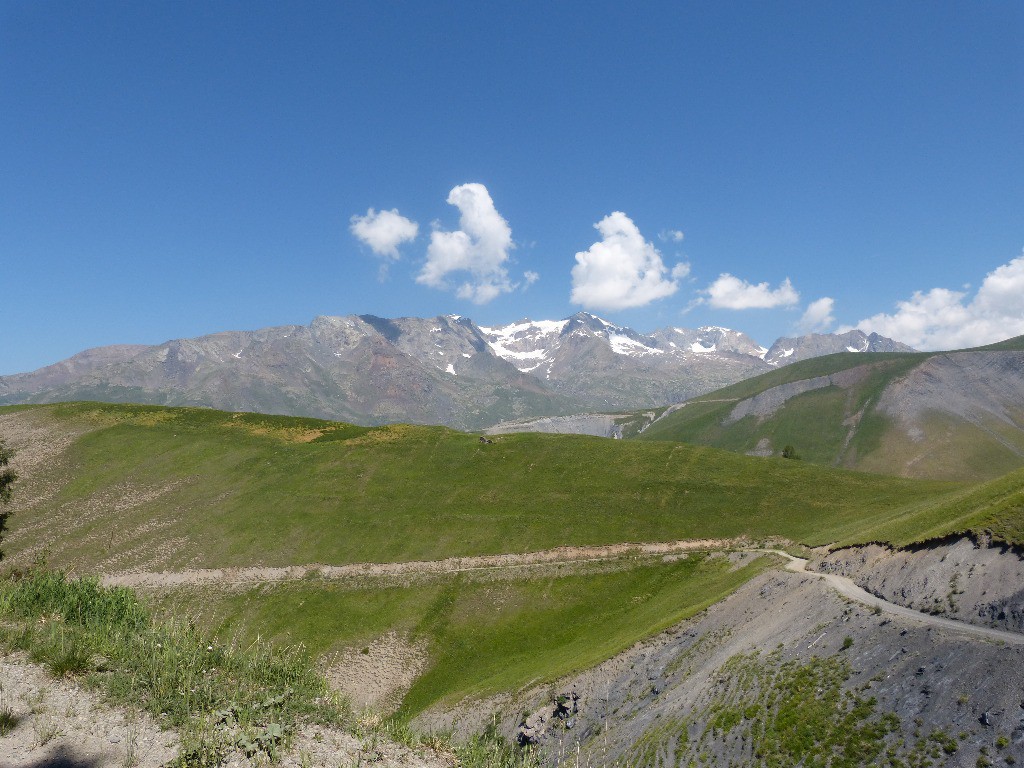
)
(228, 576)
(972, 580)
(380, 674)
(849, 589)
(57, 723)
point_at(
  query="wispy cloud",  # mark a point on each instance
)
(480, 247)
(384, 231)
(622, 270)
(671, 236)
(818, 317)
(730, 292)
(946, 319)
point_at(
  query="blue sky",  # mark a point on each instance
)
(180, 168)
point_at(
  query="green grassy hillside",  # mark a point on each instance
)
(150, 487)
(146, 487)
(995, 508)
(835, 421)
(1016, 344)
(812, 422)
(482, 634)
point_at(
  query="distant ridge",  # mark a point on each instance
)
(443, 370)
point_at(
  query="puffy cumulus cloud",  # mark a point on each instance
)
(479, 247)
(622, 270)
(384, 231)
(818, 317)
(729, 292)
(947, 319)
(671, 236)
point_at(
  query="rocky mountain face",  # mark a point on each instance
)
(442, 370)
(789, 350)
(614, 368)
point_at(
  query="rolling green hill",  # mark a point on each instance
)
(951, 415)
(146, 487)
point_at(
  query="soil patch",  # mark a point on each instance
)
(60, 723)
(379, 675)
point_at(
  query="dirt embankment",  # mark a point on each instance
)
(973, 580)
(48, 722)
(261, 574)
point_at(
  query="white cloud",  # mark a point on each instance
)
(480, 247)
(671, 236)
(818, 316)
(384, 231)
(622, 270)
(729, 292)
(947, 319)
(529, 278)
(680, 270)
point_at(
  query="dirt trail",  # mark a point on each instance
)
(259, 574)
(847, 588)
(567, 555)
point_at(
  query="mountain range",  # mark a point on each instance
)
(443, 370)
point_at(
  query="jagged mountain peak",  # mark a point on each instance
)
(791, 349)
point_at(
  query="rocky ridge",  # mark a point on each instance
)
(789, 350)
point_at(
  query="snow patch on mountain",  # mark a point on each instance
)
(624, 345)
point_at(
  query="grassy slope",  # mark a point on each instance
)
(823, 424)
(239, 490)
(248, 488)
(1014, 344)
(995, 507)
(484, 635)
(809, 417)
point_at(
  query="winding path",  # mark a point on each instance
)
(847, 588)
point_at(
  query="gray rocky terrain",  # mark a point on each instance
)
(613, 425)
(789, 350)
(974, 580)
(768, 402)
(981, 387)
